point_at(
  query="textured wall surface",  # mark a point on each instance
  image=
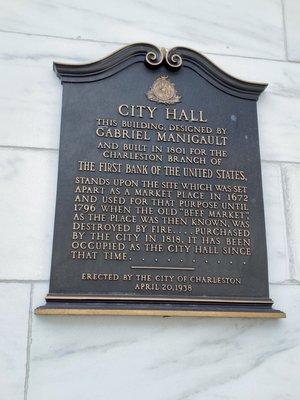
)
(132, 358)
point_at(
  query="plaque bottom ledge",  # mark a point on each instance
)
(212, 312)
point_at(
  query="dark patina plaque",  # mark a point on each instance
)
(159, 200)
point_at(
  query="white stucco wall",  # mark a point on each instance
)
(113, 358)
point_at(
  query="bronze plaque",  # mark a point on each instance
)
(159, 202)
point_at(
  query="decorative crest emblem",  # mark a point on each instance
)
(163, 91)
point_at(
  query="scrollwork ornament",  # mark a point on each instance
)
(155, 58)
(173, 60)
(159, 56)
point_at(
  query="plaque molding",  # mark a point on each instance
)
(53, 297)
(153, 57)
(160, 313)
(147, 306)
